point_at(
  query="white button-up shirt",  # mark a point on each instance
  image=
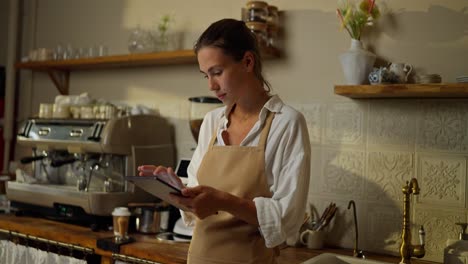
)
(287, 158)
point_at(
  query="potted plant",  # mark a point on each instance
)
(357, 62)
(162, 37)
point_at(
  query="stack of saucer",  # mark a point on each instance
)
(429, 78)
(462, 79)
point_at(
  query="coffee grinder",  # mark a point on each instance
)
(199, 106)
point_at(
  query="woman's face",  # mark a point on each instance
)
(226, 77)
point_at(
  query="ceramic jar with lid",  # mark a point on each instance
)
(257, 11)
(272, 36)
(273, 17)
(272, 26)
(260, 31)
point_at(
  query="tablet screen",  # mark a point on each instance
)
(158, 188)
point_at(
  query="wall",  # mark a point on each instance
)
(362, 149)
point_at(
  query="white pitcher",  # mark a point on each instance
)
(401, 70)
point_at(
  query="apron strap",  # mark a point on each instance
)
(213, 138)
(266, 129)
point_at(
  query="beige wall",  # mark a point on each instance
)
(362, 149)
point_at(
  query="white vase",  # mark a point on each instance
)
(357, 63)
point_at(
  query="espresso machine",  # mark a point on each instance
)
(78, 166)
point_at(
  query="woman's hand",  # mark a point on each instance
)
(202, 200)
(146, 170)
(205, 201)
(166, 174)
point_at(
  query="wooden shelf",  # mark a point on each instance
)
(118, 61)
(433, 90)
(59, 70)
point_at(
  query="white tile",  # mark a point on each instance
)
(387, 173)
(439, 225)
(345, 123)
(313, 115)
(443, 126)
(442, 179)
(392, 123)
(383, 232)
(343, 173)
(315, 171)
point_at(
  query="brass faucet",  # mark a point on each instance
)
(407, 250)
(356, 252)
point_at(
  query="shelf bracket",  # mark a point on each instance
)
(60, 79)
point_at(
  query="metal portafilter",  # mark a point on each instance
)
(48, 160)
(63, 161)
(35, 157)
(27, 160)
(57, 159)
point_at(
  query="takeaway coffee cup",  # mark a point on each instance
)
(120, 217)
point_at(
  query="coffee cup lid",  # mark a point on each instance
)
(121, 211)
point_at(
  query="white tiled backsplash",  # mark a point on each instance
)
(365, 150)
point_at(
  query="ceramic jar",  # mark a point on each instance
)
(260, 31)
(257, 11)
(357, 63)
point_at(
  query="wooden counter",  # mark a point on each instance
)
(146, 246)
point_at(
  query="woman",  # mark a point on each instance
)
(249, 175)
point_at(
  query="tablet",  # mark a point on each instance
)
(158, 188)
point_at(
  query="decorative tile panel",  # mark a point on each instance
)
(345, 123)
(315, 172)
(387, 173)
(313, 116)
(442, 180)
(444, 126)
(343, 173)
(439, 225)
(392, 122)
(383, 232)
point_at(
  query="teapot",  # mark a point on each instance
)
(401, 70)
(381, 76)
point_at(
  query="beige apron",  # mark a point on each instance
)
(223, 238)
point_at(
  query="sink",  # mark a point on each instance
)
(329, 258)
(456, 251)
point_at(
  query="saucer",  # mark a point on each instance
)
(462, 79)
(429, 78)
